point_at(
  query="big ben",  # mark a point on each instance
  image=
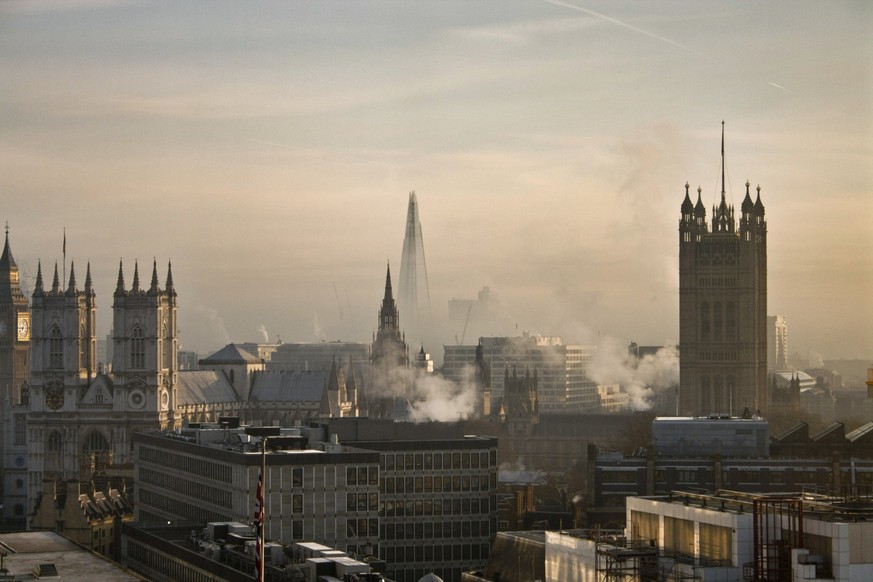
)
(14, 330)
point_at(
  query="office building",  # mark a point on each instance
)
(313, 489)
(563, 384)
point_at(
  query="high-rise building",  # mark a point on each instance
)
(777, 343)
(563, 384)
(14, 393)
(722, 306)
(414, 292)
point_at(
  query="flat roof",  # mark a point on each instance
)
(27, 550)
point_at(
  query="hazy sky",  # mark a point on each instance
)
(268, 150)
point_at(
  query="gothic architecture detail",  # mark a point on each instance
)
(722, 306)
(15, 336)
(389, 386)
(82, 418)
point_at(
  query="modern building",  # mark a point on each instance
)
(39, 555)
(438, 494)
(712, 435)
(313, 489)
(413, 290)
(755, 536)
(564, 385)
(777, 343)
(722, 306)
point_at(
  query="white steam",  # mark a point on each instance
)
(262, 329)
(214, 323)
(638, 377)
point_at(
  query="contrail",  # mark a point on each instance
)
(628, 26)
(780, 87)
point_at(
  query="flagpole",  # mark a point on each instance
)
(65, 258)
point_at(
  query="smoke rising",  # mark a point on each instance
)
(639, 377)
(262, 329)
(419, 396)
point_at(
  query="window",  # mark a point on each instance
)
(716, 316)
(704, 321)
(55, 444)
(137, 349)
(20, 429)
(56, 349)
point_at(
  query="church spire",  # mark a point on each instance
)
(153, 290)
(389, 294)
(38, 290)
(119, 287)
(56, 283)
(135, 287)
(170, 289)
(71, 288)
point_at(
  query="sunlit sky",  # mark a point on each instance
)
(268, 150)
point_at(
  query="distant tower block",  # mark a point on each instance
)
(414, 296)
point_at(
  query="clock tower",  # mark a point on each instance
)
(14, 330)
(14, 393)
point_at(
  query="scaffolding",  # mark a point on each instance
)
(637, 561)
(778, 529)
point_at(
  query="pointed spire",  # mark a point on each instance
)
(38, 290)
(722, 161)
(687, 206)
(759, 206)
(88, 284)
(119, 287)
(389, 294)
(56, 283)
(71, 288)
(135, 287)
(154, 287)
(169, 287)
(747, 201)
(6, 260)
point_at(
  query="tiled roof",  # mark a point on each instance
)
(284, 386)
(204, 386)
(231, 354)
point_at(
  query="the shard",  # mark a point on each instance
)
(414, 293)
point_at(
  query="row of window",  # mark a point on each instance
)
(705, 475)
(440, 461)
(436, 507)
(715, 318)
(362, 475)
(192, 465)
(177, 507)
(430, 530)
(195, 489)
(439, 484)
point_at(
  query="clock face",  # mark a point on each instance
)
(23, 327)
(54, 398)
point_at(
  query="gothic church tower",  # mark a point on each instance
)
(145, 344)
(722, 306)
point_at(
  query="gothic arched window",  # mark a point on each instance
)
(56, 349)
(55, 442)
(137, 349)
(96, 443)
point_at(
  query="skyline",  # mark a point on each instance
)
(269, 151)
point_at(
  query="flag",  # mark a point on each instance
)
(259, 523)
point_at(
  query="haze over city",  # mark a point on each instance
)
(268, 150)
